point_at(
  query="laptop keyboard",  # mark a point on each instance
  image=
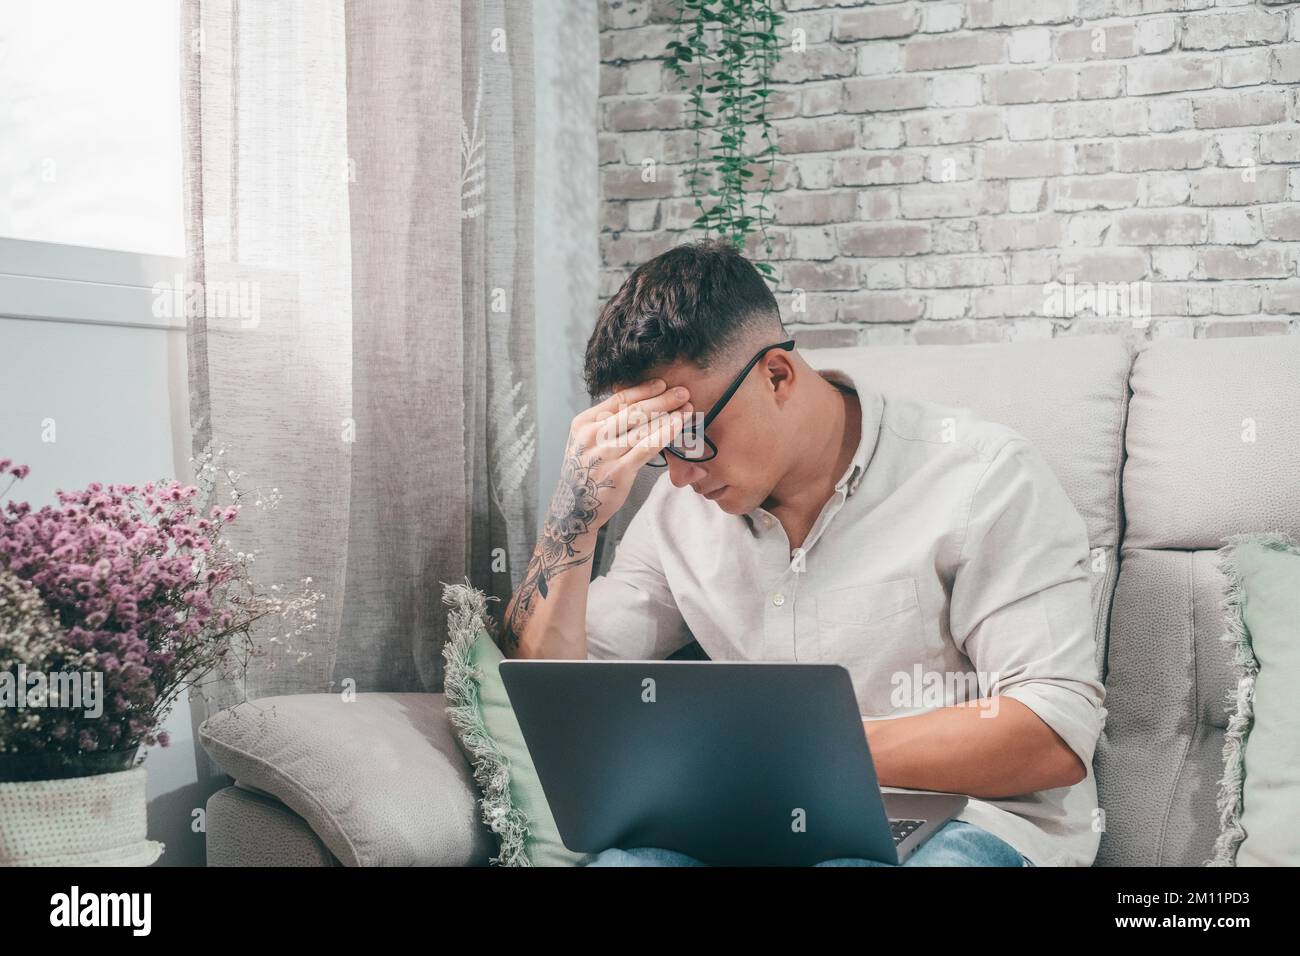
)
(902, 829)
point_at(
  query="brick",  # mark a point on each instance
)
(948, 200)
(1256, 108)
(820, 62)
(1100, 81)
(1096, 192)
(643, 43)
(885, 274)
(1164, 189)
(1171, 74)
(950, 165)
(820, 275)
(1282, 223)
(643, 216)
(804, 208)
(1237, 147)
(1228, 187)
(1163, 152)
(1032, 266)
(1219, 330)
(1280, 146)
(1285, 64)
(947, 273)
(814, 171)
(878, 307)
(878, 203)
(1096, 43)
(1229, 262)
(881, 132)
(1282, 297)
(660, 112)
(1104, 265)
(955, 89)
(1037, 232)
(1237, 299)
(825, 338)
(1173, 262)
(1026, 195)
(1094, 157)
(1245, 69)
(1100, 118)
(1155, 36)
(953, 235)
(1028, 122)
(948, 52)
(957, 333)
(1033, 45)
(883, 239)
(879, 169)
(813, 242)
(821, 99)
(1016, 13)
(1088, 228)
(632, 249)
(1241, 28)
(1007, 300)
(625, 182)
(1031, 85)
(879, 57)
(886, 93)
(815, 136)
(1176, 227)
(1164, 115)
(1024, 160)
(942, 17)
(875, 24)
(941, 129)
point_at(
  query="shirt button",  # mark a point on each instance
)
(778, 599)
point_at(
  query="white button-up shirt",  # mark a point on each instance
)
(948, 565)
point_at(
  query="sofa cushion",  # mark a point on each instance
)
(1259, 795)
(1213, 441)
(514, 803)
(379, 777)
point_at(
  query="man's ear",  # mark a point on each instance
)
(779, 374)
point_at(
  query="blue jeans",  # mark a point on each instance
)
(957, 843)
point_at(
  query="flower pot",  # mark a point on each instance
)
(95, 820)
(57, 765)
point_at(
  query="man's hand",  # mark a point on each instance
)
(608, 443)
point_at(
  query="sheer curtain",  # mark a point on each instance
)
(359, 186)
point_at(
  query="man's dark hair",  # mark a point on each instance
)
(700, 302)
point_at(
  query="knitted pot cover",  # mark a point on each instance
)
(78, 821)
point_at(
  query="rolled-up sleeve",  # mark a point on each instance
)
(631, 614)
(1021, 606)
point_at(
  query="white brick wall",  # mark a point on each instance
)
(948, 166)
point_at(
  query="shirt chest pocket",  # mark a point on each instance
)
(876, 631)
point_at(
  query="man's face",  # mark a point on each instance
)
(749, 460)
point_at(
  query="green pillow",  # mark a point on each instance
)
(1259, 795)
(514, 805)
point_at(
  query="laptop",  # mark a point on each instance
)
(735, 764)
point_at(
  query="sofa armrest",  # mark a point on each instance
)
(380, 779)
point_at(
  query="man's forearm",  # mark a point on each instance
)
(547, 616)
(962, 749)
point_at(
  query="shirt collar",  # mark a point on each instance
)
(872, 412)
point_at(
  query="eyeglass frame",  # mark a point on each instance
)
(787, 345)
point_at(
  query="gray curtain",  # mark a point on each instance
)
(363, 173)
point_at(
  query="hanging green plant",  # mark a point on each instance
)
(734, 45)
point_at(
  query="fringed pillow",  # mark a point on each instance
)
(1259, 795)
(514, 804)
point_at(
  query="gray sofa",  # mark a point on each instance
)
(1164, 450)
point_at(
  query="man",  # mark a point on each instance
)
(932, 554)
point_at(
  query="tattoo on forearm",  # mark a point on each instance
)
(571, 514)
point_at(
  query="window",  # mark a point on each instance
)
(91, 195)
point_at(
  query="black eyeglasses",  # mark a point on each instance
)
(692, 444)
